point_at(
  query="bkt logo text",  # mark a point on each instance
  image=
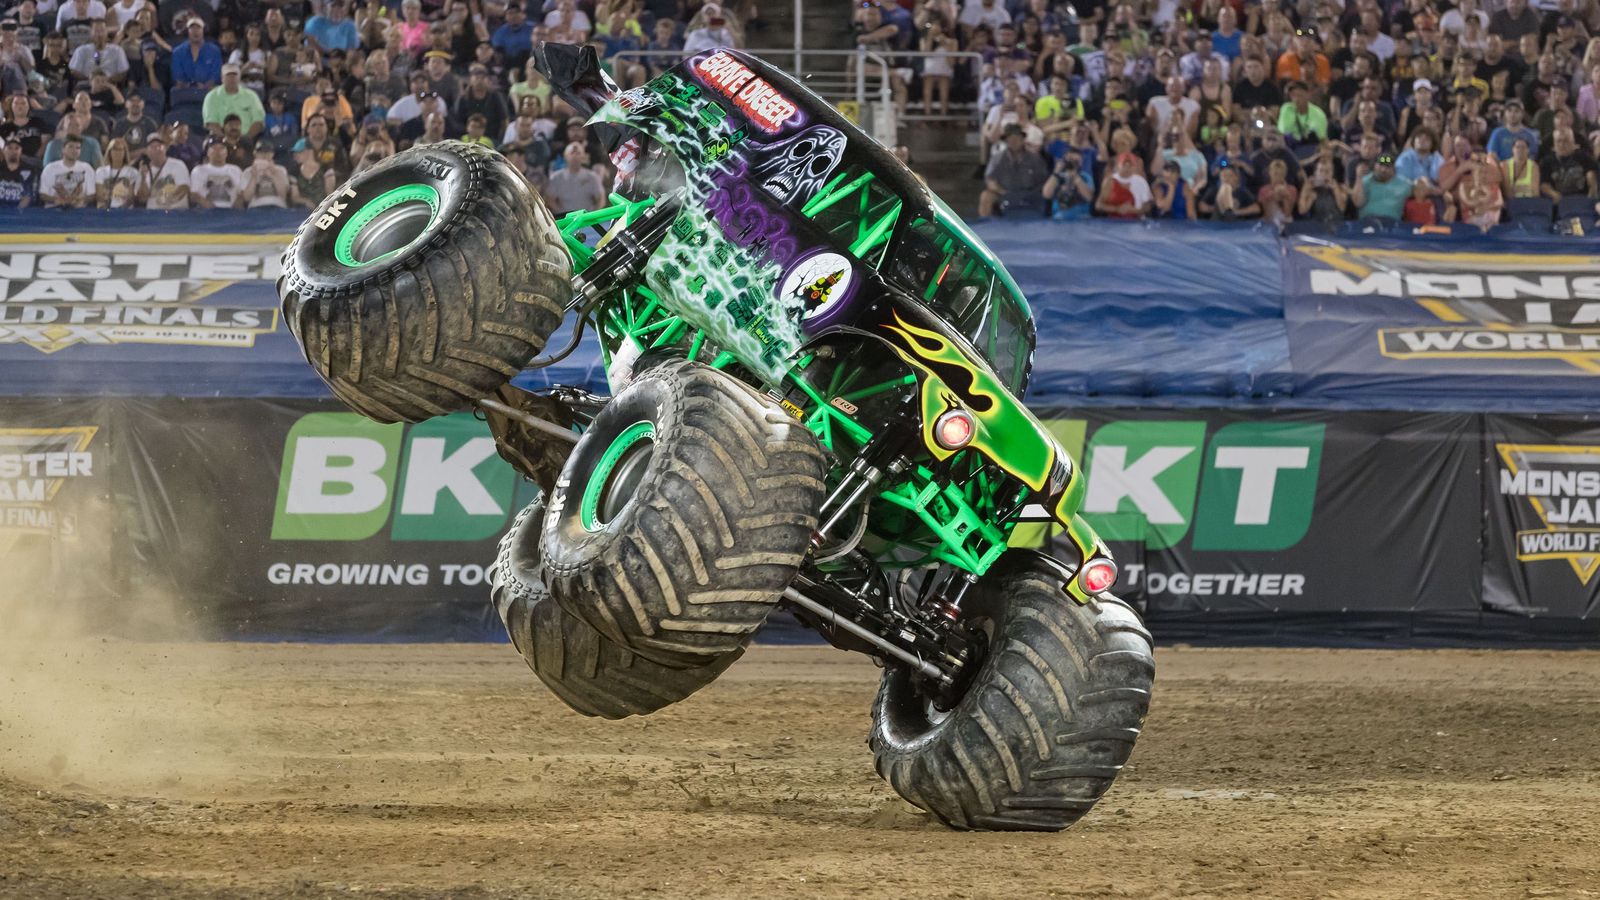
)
(344, 478)
(1251, 487)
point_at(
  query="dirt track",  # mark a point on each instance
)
(447, 770)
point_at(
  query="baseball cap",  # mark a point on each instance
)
(196, 22)
(438, 54)
(1386, 159)
(1422, 84)
(1565, 22)
(1011, 129)
(230, 68)
(8, 25)
(300, 145)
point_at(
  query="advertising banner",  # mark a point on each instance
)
(1216, 512)
(300, 518)
(56, 514)
(1541, 478)
(1455, 319)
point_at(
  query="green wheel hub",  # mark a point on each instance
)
(387, 224)
(617, 476)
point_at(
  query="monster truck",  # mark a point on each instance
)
(816, 370)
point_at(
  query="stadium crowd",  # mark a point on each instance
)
(1410, 110)
(182, 104)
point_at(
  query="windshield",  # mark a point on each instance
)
(959, 283)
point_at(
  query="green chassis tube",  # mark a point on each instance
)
(918, 519)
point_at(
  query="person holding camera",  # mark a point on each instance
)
(1014, 179)
(1229, 199)
(265, 183)
(1070, 188)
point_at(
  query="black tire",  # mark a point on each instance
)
(587, 672)
(692, 540)
(1044, 727)
(432, 319)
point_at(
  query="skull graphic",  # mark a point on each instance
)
(798, 166)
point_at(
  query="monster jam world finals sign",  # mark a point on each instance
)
(1539, 312)
(1554, 490)
(56, 293)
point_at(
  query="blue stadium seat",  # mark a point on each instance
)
(1530, 213)
(1576, 208)
(155, 102)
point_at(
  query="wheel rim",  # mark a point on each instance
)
(386, 225)
(617, 477)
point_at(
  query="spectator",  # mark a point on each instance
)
(575, 185)
(1178, 148)
(231, 98)
(166, 179)
(433, 130)
(16, 60)
(1521, 172)
(99, 55)
(1229, 198)
(265, 183)
(1175, 103)
(1277, 197)
(440, 79)
(476, 124)
(1126, 194)
(1174, 195)
(1420, 208)
(69, 181)
(1272, 148)
(372, 145)
(197, 63)
(53, 65)
(514, 38)
(310, 181)
(710, 29)
(76, 18)
(331, 105)
(1014, 179)
(1513, 21)
(1324, 198)
(1379, 192)
(327, 148)
(1502, 139)
(19, 178)
(72, 128)
(333, 31)
(1070, 187)
(1301, 122)
(410, 34)
(1566, 168)
(181, 144)
(21, 127)
(252, 57)
(118, 183)
(481, 98)
(1421, 160)
(1478, 196)
(281, 127)
(215, 183)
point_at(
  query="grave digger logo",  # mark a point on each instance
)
(1487, 305)
(54, 295)
(1559, 487)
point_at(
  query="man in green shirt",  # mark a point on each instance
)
(1381, 194)
(229, 98)
(1301, 121)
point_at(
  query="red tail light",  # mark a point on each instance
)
(1097, 575)
(954, 429)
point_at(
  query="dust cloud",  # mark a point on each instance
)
(110, 694)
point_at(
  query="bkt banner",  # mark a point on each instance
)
(296, 518)
(1218, 510)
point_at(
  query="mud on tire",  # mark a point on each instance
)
(425, 283)
(587, 672)
(682, 514)
(1046, 724)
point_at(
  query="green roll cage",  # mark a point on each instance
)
(953, 512)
